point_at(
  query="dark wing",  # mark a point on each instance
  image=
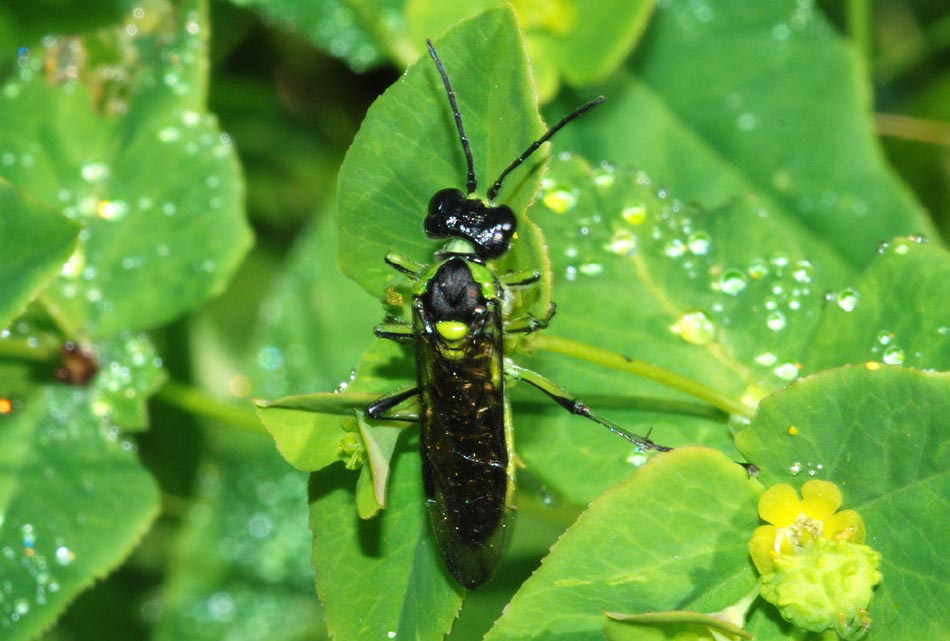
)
(464, 438)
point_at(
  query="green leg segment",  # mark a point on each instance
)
(520, 278)
(530, 323)
(575, 406)
(407, 266)
(395, 330)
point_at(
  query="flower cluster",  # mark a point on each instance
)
(815, 567)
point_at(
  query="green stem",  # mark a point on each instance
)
(858, 17)
(198, 402)
(616, 361)
(22, 349)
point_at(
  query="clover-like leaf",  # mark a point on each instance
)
(121, 141)
(879, 433)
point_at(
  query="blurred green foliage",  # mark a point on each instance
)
(144, 142)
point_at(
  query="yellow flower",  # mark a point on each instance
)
(815, 568)
(796, 521)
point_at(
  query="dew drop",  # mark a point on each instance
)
(795, 468)
(885, 337)
(605, 178)
(766, 359)
(775, 321)
(847, 299)
(64, 556)
(634, 214)
(758, 268)
(674, 248)
(111, 209)
(559, 200)
(591, 269)
(893, 355)
(622, 243)
(787, 371)
(699, 243)
(732, 281)
(94, 172)
(695, 328)
(169, 134)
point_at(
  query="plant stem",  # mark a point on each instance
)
(22, 349)
(197, 401)
(616, 361)
(910, 128)
(858, 18)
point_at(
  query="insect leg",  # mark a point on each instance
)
(407, 266)
(575, 406)
(395, 331)
(530, 323)
(520, 278)
(380, 408)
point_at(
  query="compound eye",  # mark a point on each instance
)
(443, 205)
(496, 234)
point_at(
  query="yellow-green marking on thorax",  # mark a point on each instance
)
(452, 330)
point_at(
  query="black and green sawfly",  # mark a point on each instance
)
(458, 328)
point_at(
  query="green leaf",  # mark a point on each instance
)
(408, 149)
(138, 161)
(723, 297)
(893, 314)
(582, 41)
(241, 568)
(673, 536)
(74, 499)
(130, 371)
(309, 429)
(34, 243)
(353, 558)
(660, 625)
(229, 576)
(360, 32)
(777, 109)
(379, 442)
(24, 22)
(880, 434)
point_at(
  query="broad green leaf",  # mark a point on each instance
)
(309, 430)
(241, 571)
(880, 434)
(129, 372)
(34, 243)
(74, 499)
(24, 22)
(381, 578)
(379, 442)
(662, 625)
(408, 149)
(252, 512)
(583, 41)
(139, 162)
(778, 109)
(673, 536)
(721, 297)
(363, 33)
(894, 313)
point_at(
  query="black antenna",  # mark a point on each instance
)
(471, 183)
(540, 141)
